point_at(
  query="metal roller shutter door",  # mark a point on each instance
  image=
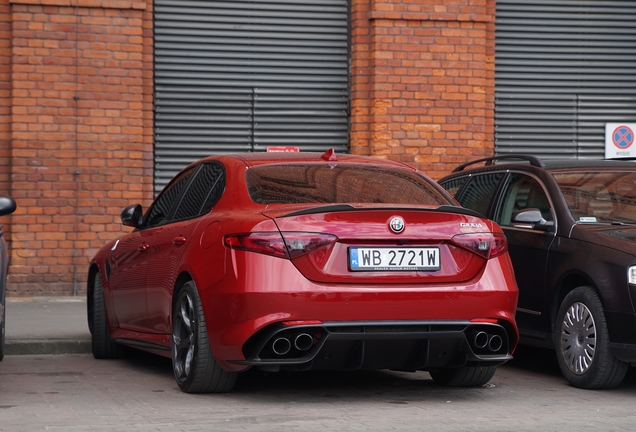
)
(562, 70)
(237, 76)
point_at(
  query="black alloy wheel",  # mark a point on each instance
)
(193, 363)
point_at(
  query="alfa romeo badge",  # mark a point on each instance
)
(396, 224)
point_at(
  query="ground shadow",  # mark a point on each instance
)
(543, 361)
(148, 363)
(316, 383)
(332, 383)
(534, 359)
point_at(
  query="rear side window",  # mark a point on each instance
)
(204, 191)
(161, 209)
(341, 183)
(479, 192)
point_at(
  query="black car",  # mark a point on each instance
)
(7, 206)
(571, 230)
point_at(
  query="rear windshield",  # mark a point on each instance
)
(341, 183)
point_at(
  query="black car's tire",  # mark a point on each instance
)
(465, 376)
(582, 343)
(193, 363)
(102, 346)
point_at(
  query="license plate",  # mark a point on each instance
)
(393, 259)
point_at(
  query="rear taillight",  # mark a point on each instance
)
(299, 243)
(268, 243)
(288, 245)
(487, 245)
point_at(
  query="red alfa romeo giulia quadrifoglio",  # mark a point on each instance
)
(302, 261)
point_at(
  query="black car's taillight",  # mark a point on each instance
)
(487, 245)
(288, 244)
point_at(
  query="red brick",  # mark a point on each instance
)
(50, 62)
(416, 54)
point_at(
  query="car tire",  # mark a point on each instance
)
(582, 343)
(465, 376)
(102, 346)
(193, 363)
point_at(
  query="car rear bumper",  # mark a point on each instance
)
(243, 306)
(400, 345)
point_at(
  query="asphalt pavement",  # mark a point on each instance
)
(46, 325)
(75, 392)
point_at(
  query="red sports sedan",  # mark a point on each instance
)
(303, 261)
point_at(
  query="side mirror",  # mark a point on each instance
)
(531, 218)
(132, 216)
(7, 205)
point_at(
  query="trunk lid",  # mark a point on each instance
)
(422, 252)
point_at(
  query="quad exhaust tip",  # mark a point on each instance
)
(495, 343)
(302, 342)
(482, 340)
(281, 346)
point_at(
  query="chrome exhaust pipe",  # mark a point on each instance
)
(495, 343)
(303, 342)
(480, 340)
(281, 346)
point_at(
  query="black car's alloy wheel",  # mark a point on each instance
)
(102, 346)
(466, 376)
(578, 338)
(194, 366)
(582, 343)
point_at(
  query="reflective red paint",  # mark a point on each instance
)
(275, 284)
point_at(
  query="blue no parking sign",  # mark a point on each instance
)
(619, 138)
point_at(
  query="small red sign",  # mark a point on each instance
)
(283, 149)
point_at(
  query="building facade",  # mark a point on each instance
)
(81, 99)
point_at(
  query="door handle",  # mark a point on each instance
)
(179, 240)
(143, 247)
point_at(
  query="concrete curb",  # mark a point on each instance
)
(46, 346)
(46, 325)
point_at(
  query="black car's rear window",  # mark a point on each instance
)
(341, 183)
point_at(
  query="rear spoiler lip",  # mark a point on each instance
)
(347, 207)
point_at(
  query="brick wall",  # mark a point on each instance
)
(81, 135)
(423, 81)
(5, 100)
(76, 113)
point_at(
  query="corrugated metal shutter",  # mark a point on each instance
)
(563, 69)
(236, 76)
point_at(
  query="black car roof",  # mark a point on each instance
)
(551, 164)
(547, 164)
